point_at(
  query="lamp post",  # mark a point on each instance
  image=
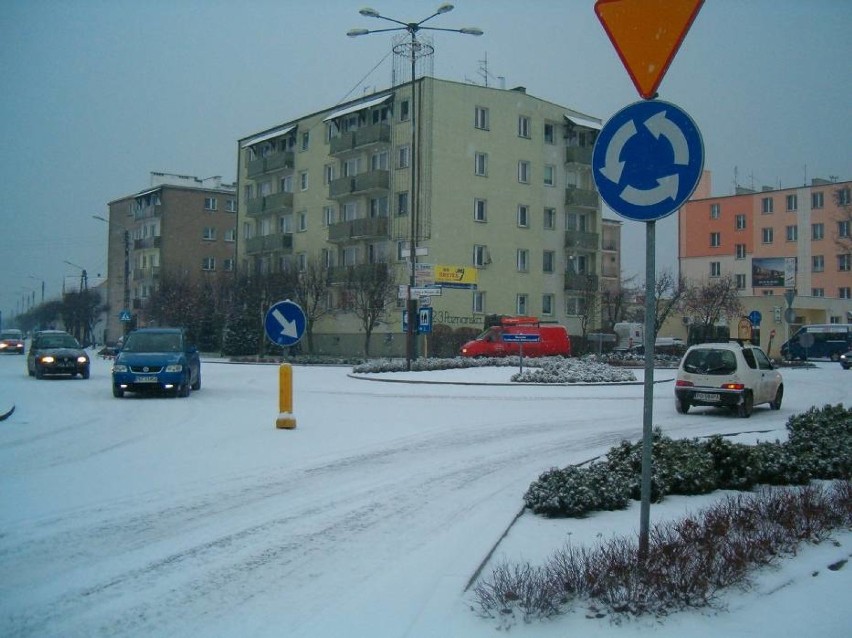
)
(84, 278)
(414, 49)
(42, 285)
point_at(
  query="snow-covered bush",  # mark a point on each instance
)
(558, 370)
(575, 491)
(821, 440)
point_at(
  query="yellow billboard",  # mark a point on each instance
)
(460, 276)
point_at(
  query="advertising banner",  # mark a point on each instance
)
(768, 272)
(456, 276)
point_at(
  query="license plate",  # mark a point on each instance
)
(149, 379)
(706, 396)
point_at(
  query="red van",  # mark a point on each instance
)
(553, 339)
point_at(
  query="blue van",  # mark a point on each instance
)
(819, 341)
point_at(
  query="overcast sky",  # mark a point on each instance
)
(96, 94)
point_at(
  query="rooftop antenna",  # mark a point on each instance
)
(486, 75)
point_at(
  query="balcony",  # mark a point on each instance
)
(581, 239)
(261, 165)
(270, 243)
(142, 274)
(271, 203)
(146, 212)
(343, 274)
(583, 282)
(362, 184)
(354, 140)
(578, 155)
(146, 242)
(355, 229)
(581, 198)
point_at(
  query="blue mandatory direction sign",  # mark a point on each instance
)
(647, 160)
(285, 323)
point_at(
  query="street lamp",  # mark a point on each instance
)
(42, 285)
(414, 49)
(84, 278)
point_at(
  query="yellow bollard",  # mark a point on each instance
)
(285, 420)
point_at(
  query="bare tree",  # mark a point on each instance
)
(590, 299)
(310, 290)
(615, 302)
(669, 291)
(370, 290)
(710, 302)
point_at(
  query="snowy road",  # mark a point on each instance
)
(161, 516)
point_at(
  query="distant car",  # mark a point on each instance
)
(156, 359)
(56, 352)
(729, 375)
(846, 360)
(12, 341)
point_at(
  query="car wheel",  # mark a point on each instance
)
(744, 409)
(682, 406)
(39, 373)
(117, 392)
(197, 384)
(775, 404)
(183, 390)
(85, 372)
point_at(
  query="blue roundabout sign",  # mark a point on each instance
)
(647, 160)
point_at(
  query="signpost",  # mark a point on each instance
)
(647, 159)
(284, 325)
(521, 339)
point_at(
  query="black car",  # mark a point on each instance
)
(56, 352)
(846, 360)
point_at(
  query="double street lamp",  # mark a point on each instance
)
(414, 50)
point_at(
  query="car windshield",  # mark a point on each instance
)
(707, 361)
(10, 334)
(58, 341)
(153, 342)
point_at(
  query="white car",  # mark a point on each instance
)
(732, 375)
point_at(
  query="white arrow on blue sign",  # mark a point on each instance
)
(285, 323)
(647, 160)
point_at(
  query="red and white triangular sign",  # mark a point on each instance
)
(647, 34)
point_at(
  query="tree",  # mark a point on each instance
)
(707, 304)
(310, 290)
(669, 291)
(589, 299)
(78, 312)
(370, 290)
(615, 303)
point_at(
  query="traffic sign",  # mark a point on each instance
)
(424, 323)
(646, 35)
(514, 337)
(755, 317)
(285, 323)
(647, 160)
(125, 316)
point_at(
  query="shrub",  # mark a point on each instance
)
(821, 441)
(575, 491)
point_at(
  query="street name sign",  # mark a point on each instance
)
(521, 338)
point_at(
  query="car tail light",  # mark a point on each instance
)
(733, 386)
(684, 384)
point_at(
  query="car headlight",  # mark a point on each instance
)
(47, 359)
(3, 346)
(82, 359)
(119, 367)
(174, 367)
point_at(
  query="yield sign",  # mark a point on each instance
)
(647, 35)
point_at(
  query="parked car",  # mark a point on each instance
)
(733, 375)
(846, 360)
(818, 341)
(12, 341)
(156, 359)
(511, 334)
(56, 352)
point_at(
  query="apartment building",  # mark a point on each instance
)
(179, 225)
(505, 204)
(773, 241)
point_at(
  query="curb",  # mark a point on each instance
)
(511, 384)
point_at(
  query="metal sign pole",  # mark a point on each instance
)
(648, 414)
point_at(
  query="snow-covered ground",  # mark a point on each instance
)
(197, 517)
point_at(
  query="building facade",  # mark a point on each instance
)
(180, 225)
(774, 241)
(504, 202)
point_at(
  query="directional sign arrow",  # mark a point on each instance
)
(666, 189)
(613, 166)
(660, 125)
(288, 328)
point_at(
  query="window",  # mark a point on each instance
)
(404, 111)
(286, 184)
(521, 304)
(715, 240)
(843, 228)
(844, 292)
(285, 224)
(817, 292)
(480, 256)
(302, 262)
(208, 263)
(817, 232)
(741, 251)
(480, 164)
(844, 262)
(547, 305)
(792, 203)
(817, 200)
(350, 167)
(715, 269)
(549, 219)
(478, 301)
(741, 281)
(524, 172)
(548, 261)
(480, 210)
(228, 265)
(328, 216)
(523, 216)
(767, 206)
(768, 235)
(328, 174)
(264, 189)
(792, 233)
(231, 205)
(303, 180)
(209, 233)
(402, 204)
(523, 260)
(844, 197)
(480, 118)
(303, 221)
(817, 263)
(379, 161)
(575, 306)
(549, 172)
(714, 211)
(403, 157)
(306, 140)
(740, 222)
(209, 203)
(379, 206)
(231, 235)
(549, 137)
(523, 126)
(350, 211)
